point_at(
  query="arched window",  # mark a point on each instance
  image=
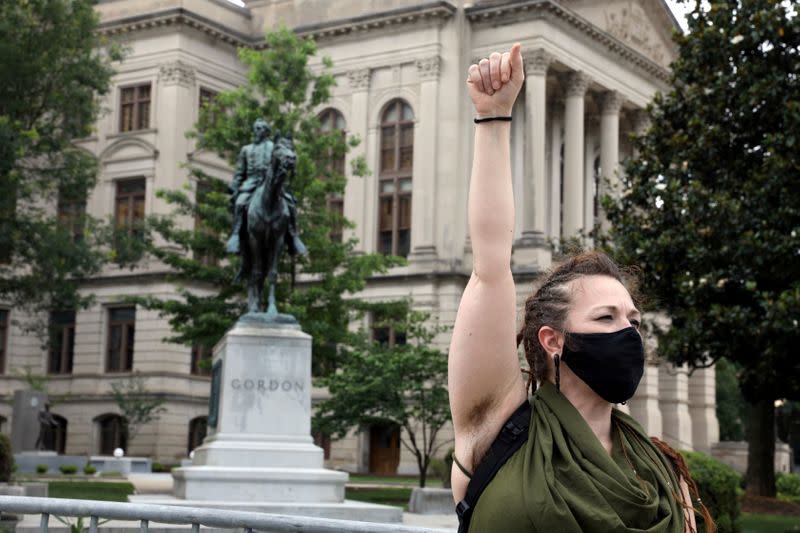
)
(60, 434)
(331, 119)
(111, 434)
(394, 189)
(197, 432)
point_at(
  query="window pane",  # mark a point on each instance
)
(127, 95)
(340, 125)
(407, 113)
(144, 92)
(129, 331)
(387, 187)
(404, 214)
(122, 214)
(385, 242)
(130, 186)
(144, 116)
(126, 118)
(405, 185)
(385, 217)
(387, 148)
(126, 314)
(403, 242)
(391, 113)
(114, 345)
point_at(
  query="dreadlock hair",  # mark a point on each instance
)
(548, 306)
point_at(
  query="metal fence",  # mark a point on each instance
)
(194, 516)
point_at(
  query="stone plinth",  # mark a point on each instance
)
(123, 465)
(25, 419)
(259, 454)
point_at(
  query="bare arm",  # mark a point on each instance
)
(484, 378)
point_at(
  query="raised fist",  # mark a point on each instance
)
(494, 83)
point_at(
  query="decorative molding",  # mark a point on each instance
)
(359, 79)
(437, 10)
(176, 73)
(515, 11)
(611, 102)
(631, 27)
(577, 84)
(537, 61)
(428, 68)
(177, 17)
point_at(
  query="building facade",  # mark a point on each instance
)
(592, 66)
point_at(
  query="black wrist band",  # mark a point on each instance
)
(487, 119)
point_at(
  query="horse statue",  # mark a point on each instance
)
(269, 219)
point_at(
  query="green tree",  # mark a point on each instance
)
(137, 405)
(711, 209)
(731, 407)
(53, 67)
(284, 90)
(404, 384)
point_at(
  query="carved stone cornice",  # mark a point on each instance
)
(359, 79)
(577, 83)
(428, 68)
(432, 10)
(536, 61)
(611, 102)
(176, 73)
(496, 13)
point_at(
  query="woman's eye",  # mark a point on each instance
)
(635, 323)
(605, 317)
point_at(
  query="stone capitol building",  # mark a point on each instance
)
(592, 66)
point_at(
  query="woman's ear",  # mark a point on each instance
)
(551, 340)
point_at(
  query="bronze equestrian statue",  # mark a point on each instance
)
(264, 215)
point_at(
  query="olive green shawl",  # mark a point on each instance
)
(563, 480)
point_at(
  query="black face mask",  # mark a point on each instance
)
(611, 364)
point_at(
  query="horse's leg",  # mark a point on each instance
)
(254, 287)
(273, 271)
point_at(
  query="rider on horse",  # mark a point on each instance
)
(253, 168)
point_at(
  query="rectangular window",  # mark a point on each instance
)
(386, 335)
(3, 339)
(62, 342)
(8, 211)
(121, 328)
(129, 206)
(71, 212)
(134, 108)
(207, 96)
(201, 360)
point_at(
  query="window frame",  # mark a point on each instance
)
(67, 344)
(130, 198)
(5, 327)
(124, 356)
(71, 213)
(396, 176)
(137, 104)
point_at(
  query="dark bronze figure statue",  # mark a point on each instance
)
(264, 215)
(47, 427)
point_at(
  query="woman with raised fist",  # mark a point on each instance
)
(563, 460)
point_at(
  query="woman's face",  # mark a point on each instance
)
(600, 304)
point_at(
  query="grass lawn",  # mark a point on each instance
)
(90, 490)
(397, 497)
(765, 523)
(404, 481)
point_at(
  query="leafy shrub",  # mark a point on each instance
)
(89, 469)
(717, 483)
(157, 467)
(68, 469)
(788, 486)
(6, 459)
(41, 469)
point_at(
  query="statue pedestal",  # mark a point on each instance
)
(259, 454)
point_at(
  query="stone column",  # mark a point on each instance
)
(356, 201)
(644, 404)
(173, 98)
(577, 84)
(423, 200)
(674, 389)
(534, 189)
(590, 145)
(703, 409)
(641, 123)
(610, 104)
(555, 170)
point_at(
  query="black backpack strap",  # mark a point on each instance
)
(510, 439)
